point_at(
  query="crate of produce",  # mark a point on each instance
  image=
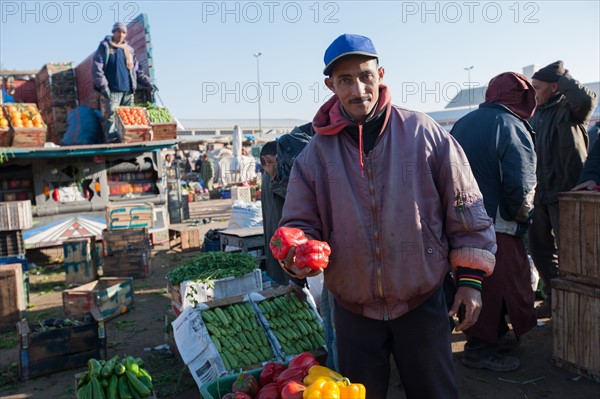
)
(133, 125)
(123, 241)
(58, 344)
(80, 267)
(135, 263)
(12, 294)
(82, 379)
(211, 276)
(109, 296)
(11, 244)
(579, 214)
(29, 129)
(576, 327)
(163, 125)
(5, 132)
(15, 215)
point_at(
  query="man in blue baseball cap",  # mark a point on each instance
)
(393, 195)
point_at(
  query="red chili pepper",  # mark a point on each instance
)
(270, 371)
(55, 195)
(284, 239)
(269, 391)
(313, 254)
(245, 383)
(292, 390)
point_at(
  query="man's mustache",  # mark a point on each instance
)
(359, 100)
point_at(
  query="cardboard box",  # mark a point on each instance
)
(57, 349)
(110, 296)
(579, 214)
(576, 327)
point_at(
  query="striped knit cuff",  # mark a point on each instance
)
(470, 277)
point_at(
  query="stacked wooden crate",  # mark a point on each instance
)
(57, 96)
(126, 252)
(80, 265)
(576, 294)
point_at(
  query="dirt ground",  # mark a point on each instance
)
(139, 331)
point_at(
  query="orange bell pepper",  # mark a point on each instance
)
(352, 391)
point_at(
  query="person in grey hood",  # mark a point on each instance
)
(117, 73)
(560, 123)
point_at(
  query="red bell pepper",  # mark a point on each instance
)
(291, 374)
(269, 391)
(245, 383)
(292, 390)
(313, 254)
(304, 361)
(284, 239)
(270, 371)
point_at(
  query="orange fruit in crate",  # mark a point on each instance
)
(32, 108)
(17, 123)
(11, 109)
(3, 123)
(37, 118)
(27, 123)
(15, 114)
(37, 124)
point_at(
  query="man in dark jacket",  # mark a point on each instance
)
(116, 73)
(590, 174)
(498, 143)
(560, 122)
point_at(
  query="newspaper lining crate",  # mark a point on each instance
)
(576, 327)
(15, 215)
(580, 237)
(57, 349)
(12, 295)
(110, 296)
(135, 263)
(80, 267)
(164, 131)
(123, 241)
(11, 244)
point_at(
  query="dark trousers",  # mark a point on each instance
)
(419, 341)
(543, 242)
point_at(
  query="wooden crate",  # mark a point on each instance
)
(132, 133)
(580, 237)
(80, 267)
(5, 137)
(124, 241)
(57, 349)
(164, 131)
(135, 263)
(15, 215)
(185, 238)
(11, 244)
(128, 216)
(109, 296)
(29, 137)
(12, 295)
(576, 327)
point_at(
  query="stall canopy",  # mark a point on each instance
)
(55, 233)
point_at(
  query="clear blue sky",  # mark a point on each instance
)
(203, 50)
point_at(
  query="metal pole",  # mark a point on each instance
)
(469, 83)
(259, 92)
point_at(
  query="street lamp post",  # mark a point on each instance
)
(259, 91)
(469, 82)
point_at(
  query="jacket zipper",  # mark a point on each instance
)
(376, 238)
(460, 209)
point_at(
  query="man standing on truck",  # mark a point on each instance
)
(116, 73)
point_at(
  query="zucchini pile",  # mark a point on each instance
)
(158, 115)
(114, 379)
(294, 323)
(238, 337)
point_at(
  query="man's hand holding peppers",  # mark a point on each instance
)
(300, 256)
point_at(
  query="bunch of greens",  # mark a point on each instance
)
(212, 266)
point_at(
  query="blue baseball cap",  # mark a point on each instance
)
(347, 44)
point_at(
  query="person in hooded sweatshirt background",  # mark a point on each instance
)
(393, 195)
(117, 73)
(498, 142)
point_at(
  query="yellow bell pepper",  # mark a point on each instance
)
(322, 389)
(316, 372)
(352, 391)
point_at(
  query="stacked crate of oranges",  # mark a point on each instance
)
(28, 127)
(5, 136)
(24, 115)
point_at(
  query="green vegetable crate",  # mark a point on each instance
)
(216, 389)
